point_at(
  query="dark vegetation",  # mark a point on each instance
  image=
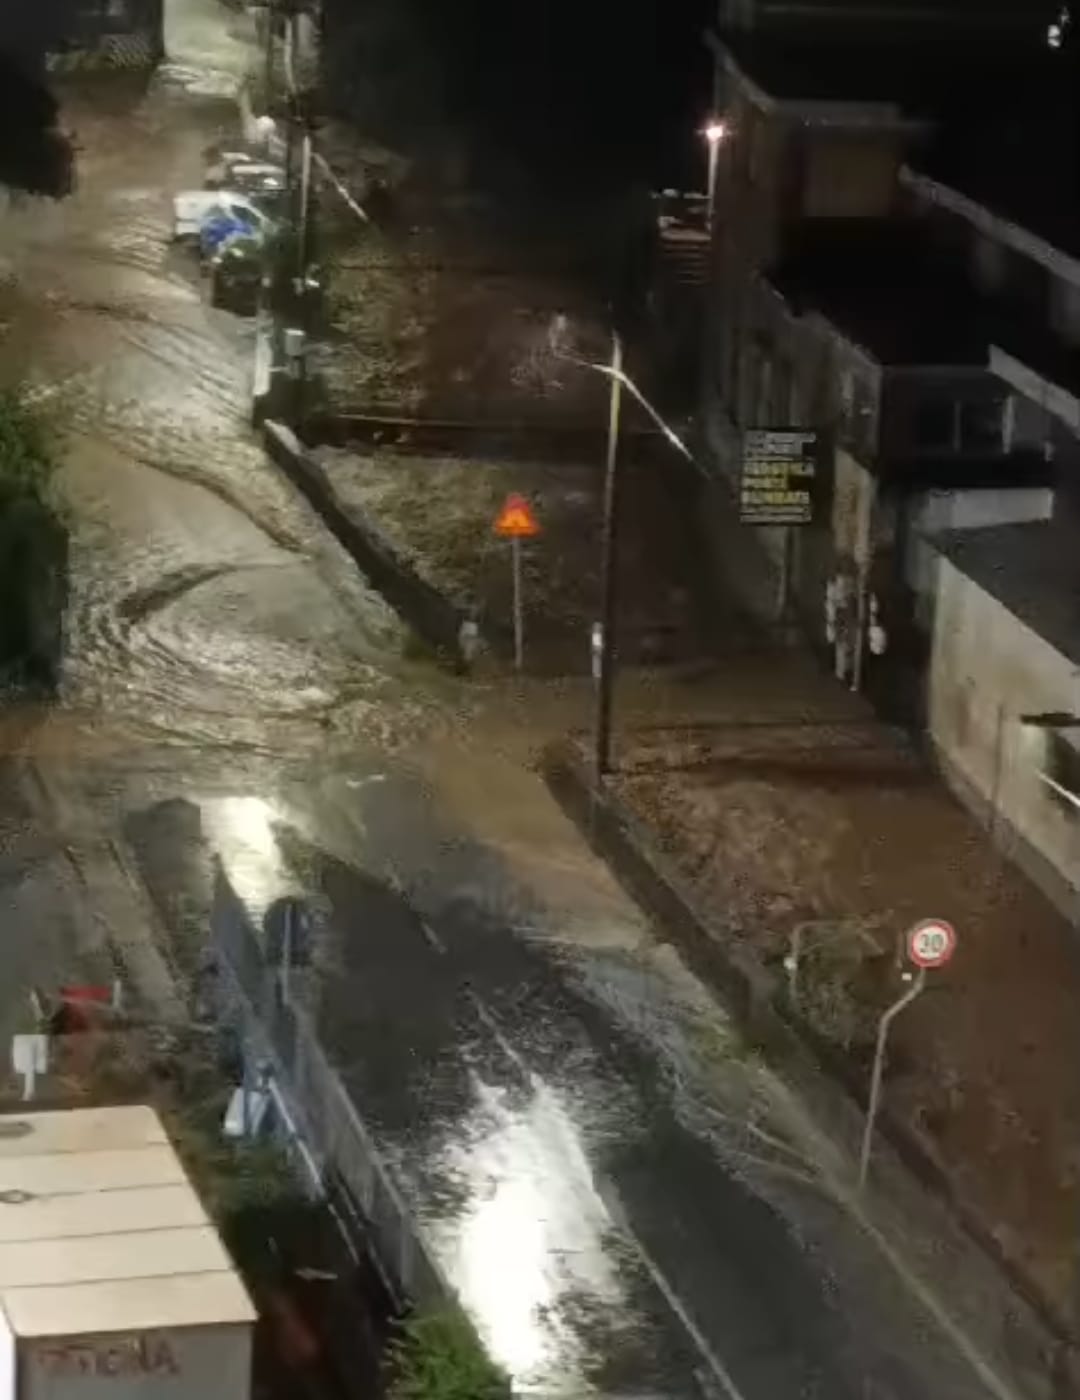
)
(35, 155)
(563, 98)
(33, 545)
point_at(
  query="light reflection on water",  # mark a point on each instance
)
(528, 1244)
(241, 831)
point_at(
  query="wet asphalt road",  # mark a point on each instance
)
(604, 1171)
(601, 1167)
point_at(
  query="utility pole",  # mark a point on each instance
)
(605, 686)
(302, 275)
(269, 50)
(291, 272)
(603, 643)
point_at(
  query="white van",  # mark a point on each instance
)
(191, 207)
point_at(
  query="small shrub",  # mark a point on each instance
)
(28, 449)
(438, 1357)
(33, 541)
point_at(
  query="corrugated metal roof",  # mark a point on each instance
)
(103, 1232)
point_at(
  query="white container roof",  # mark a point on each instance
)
(101, 1231)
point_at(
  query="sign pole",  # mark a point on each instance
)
(519, 612)
(930, 944)
(516, 522)
(879, 1066)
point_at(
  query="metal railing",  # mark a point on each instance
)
(279, 1031)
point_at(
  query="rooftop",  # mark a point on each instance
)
(822, 14)
(1022, 167)
(881, 287)
(908, 303)
(1033, 570)
(923, 80)
(102, 1231)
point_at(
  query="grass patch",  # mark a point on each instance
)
(438, 1357)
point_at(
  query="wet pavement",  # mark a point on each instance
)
(605, 1172)
(206, 598)
(609, 1177)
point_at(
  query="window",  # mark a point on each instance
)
(935, 425)
(981, 423)
(947, 425)
(1063, 768)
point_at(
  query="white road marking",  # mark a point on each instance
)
(674, 1302)
(433, 938)
(708, 1355)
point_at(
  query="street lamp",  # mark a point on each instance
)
(715, 133)
(620, 380)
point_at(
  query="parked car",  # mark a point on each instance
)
(223, 157)
(246, 176)
(192, 208)
(217, 230)
(236, 274)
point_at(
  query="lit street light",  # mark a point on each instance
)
(715, 132)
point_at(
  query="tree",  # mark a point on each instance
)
(33, 544)
(35, 155)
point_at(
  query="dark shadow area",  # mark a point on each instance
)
(567, 98)
(36, 157)
(34, 585)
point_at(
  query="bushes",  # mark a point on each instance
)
(33, 544)
(437, 1357)
(28, 442)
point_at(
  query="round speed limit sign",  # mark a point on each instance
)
(931, 943)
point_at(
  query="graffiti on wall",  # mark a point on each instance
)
(145, 1355)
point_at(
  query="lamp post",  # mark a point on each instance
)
(612, 517)
(714, 133)
(605, 681)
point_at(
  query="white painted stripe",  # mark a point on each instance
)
(708, 1355)
(719, 1371)
(1061, 791)
(433, 938)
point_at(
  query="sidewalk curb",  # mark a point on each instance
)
(428, 611)
(754, 995)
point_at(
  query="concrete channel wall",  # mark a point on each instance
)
(430, 614)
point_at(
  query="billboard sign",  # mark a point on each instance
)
(781, 476)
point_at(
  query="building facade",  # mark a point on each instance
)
(1004, 713)
(837, 304)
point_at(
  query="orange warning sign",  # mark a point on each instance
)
(516, 520)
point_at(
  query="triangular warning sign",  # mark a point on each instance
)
(516, 520)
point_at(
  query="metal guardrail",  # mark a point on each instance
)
(281, 1030)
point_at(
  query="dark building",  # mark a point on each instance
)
(841, 300)
(824, 18)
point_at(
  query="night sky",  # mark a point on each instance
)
(580, 90)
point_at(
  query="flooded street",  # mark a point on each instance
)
(614, 1183)
(205, 598)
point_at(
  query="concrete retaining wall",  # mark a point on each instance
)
(431, 615)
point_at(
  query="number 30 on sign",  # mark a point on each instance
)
(931, 943)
